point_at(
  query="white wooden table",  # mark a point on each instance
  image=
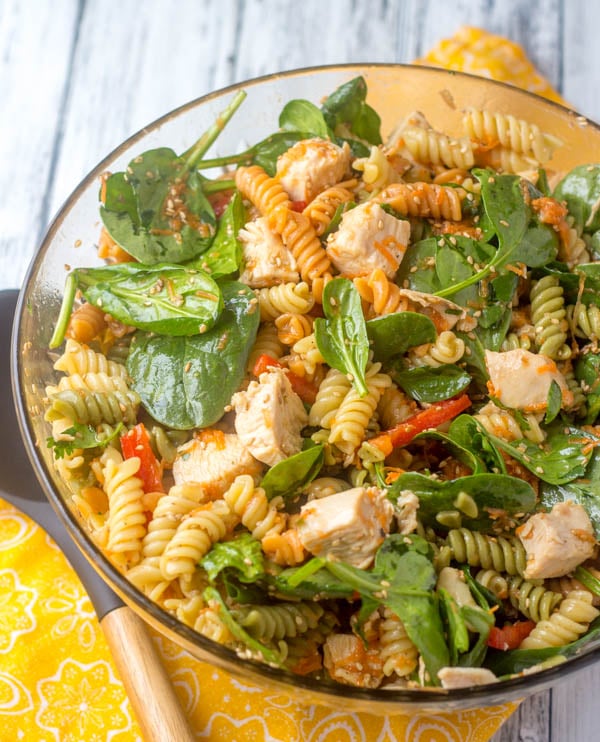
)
(78, 76)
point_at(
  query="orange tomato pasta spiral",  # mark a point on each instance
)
(86, 323)
(380, 293)
(300, 237)
(266, 193)
(321, 209)
(424, 200)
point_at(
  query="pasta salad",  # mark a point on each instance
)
(335, 406)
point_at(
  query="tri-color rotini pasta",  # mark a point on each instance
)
(348, 424)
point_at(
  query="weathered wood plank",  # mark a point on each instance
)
(31, 95)
(530, 723)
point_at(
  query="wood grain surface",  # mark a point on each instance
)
(78, 76)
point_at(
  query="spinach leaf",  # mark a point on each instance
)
(157, 210)
(582, 284)
(480, 621)
(587, 371)
(168, 299)
(584, 491)
(490, 492)
(403, 579)
(311, 581)
(290, 475)
(561, 458)
(554, 402)
(417, 270)
(302, 115)
(393, 334)
(431, 384)
(224, 256)
(456, 627)
(242, 554)
(81, 436)
(580, 188)
(175, 376)
(521, 238)
(342, 335)
(173, 220)
(468, 432)
(347, 107)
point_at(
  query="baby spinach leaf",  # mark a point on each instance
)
(584, 491)
(403, 579)
(431, 384)
(581, 284)
(242, 554)
(491, 492)
(468, 432)
(587, 372)
(302, 115)
(311, 581)
(173, 220)
(521, 237)
(157, 210)
(561, 458)
(168, 299)
(347, 107)
(393, 334)
(342, 335)
(481, 622)
(460, 452)
(224, 256)
(456, 627)
(580, 188)
(290, 475)
(554, 402)
(417, 270)
(175, 376)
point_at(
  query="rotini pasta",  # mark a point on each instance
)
(425, 200)
(504, 554)
(565, 625)
(548, 315)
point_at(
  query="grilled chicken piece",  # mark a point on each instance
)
(310, 166)
(558, 541)
(349, 526)
(368, 238)
(269, 417)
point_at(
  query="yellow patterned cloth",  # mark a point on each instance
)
(57, 679)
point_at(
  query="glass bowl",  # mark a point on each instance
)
(394, 91)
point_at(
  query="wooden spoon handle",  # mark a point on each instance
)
(148, 686)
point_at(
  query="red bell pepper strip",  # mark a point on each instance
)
(510, 636)
(305, 389)
(136, 442)
(403, 433)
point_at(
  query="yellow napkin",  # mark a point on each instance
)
(57, 679)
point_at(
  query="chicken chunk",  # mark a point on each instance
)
(407, 506)
(269, 417)
(310, 166)
(558, 541)
(368, 238)
(267, 261)
(214, 459)
(348, 526)
(521, 380)
(348, 661)
(465, 677)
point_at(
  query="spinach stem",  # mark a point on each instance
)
(243, 157)
(65, 311)
(197, 150)
(214, 186)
